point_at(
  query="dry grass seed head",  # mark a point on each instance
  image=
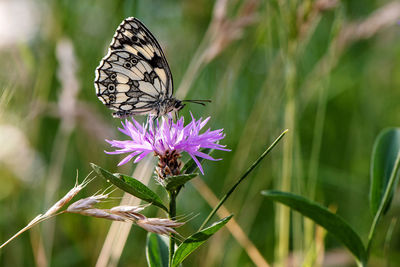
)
(162, 230)
(71, 193)
(159, 226)
(129, 212)
(89, 202)
(86, 203)
(99, 213)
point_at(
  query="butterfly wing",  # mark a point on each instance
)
(134, 77)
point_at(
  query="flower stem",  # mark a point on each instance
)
(172, 215)
(224, 198)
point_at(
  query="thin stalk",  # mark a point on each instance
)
(29, 226)
(384, 201)
(225, 197)
(314, 159)
(282, 219)
(283, 213)
(172, 215)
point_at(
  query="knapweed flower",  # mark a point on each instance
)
(167, 140)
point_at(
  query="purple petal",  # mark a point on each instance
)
(166, 135)
(141, 156)
(203, 155)
(197, 163)
(127, 158)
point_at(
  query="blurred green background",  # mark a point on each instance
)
(326, 70)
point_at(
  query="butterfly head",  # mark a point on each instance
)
(172, 104)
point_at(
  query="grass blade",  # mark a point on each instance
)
(334, 224)
(224, 198)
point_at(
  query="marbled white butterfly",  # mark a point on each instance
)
(134, 77)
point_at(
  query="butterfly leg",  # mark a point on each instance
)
(158, 113)
(175, 117)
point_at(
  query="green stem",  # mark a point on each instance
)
(221, 202)
(172, 215)
(384, 201)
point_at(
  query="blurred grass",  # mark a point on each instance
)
(338, 109)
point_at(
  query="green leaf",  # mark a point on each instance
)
(194, 241)
(387, 155)
(190, 165)
(130, 185)
(173, 182)
(334, 224)
(384, 154)
(157, 250)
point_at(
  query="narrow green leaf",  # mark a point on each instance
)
(157, 250)
(389, 140)
(241, 178)
(384, 154)
(196, 240)
(334, 224)
(190, 165)
(130, 185)
(173, 182)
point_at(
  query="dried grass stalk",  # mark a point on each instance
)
(54, 209)
(99, 213)
(129, 212)
(159, 226)
(382, 18)
(123, 213)
(67, 198)
(86, 203)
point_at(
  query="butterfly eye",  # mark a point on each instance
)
(111, 87)
(127, 65)
(113, 76)
(178, 105)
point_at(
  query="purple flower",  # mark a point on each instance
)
(167, 137)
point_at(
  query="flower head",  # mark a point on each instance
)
(167, 139)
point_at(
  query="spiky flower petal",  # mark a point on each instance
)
(165, 138)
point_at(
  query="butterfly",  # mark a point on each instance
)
(134, 77)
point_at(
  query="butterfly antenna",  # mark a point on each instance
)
(198, 101)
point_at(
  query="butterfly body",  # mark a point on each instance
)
(134, 77)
